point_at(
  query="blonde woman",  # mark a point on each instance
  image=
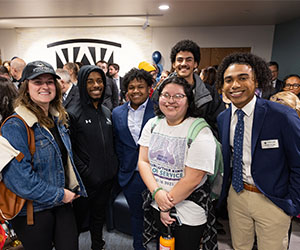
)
(287, 98)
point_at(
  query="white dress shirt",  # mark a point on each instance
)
(248, 124)
(135, 120)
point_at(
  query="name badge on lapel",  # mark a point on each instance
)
(266, 144)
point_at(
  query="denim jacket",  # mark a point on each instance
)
(45, 184)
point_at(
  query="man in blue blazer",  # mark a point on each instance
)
(128, 122)
(261, 151)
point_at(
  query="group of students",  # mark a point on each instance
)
(159, 170)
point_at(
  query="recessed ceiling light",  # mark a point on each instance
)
(164, 7)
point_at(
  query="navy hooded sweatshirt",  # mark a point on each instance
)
(92, 135)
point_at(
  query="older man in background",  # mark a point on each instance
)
(16, 68)
(69, 90)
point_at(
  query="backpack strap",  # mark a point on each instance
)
(216, 179)
(19, 157)
(194, 130)
(155, 122)
(30, 136)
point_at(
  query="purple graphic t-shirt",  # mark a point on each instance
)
(168, 155)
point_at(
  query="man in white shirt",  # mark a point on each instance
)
(113, 72)
(128, 122)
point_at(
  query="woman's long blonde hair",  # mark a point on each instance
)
(24, 100)
(287, 98)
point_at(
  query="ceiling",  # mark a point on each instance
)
(134, 13)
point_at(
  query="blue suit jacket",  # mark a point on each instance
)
(275, 171)
(126, 148)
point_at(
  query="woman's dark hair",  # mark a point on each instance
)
(209, 74)
(79, 64)
(72, 67)
(260, 68)
(3, 70)
(188, 91)
(8, 94)
(137, 74)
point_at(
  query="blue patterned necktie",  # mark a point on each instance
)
(237, 175)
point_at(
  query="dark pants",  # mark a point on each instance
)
(186, 237)
(94, 207)
(133, 194)
(56, 226)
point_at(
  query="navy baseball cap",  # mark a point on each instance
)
(37, 68)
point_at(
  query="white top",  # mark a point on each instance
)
(248, 123)
(169, 154)
(135, 119)
(7, 153)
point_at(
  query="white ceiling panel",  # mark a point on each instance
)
(95, 13)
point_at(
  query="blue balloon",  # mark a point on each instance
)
(160, 68)
(156, 56)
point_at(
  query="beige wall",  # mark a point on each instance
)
(137, 44)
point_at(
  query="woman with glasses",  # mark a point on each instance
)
(292, 84)
(174, 173)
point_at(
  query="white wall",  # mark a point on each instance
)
(8, 43)
(137, 44)
(259, 38)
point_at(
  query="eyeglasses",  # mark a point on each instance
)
(176, 97)
(294, 86)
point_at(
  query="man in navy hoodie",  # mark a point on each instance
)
(94, 155)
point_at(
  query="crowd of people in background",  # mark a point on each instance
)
(95, 130)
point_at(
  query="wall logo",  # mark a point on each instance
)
(87, 51)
